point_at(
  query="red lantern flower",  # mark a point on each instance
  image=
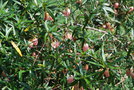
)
(48, 17)
(106, 73)
(79, 1)
(116, 5)
(66, 12)
(70, 79)
(85, 47)
(35, 41)
(131, 9)
(86, 67)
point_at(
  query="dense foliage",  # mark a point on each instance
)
(66, 44)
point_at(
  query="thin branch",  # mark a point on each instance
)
(122, 80)
(38, 54)
(94, 29)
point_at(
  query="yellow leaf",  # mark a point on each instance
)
(73, 88)
(16, 48)
(25, 30)
(41, 65)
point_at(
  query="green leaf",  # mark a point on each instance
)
(103, 54)
(106, 9)
(20, 74)
(95, 63)
(88, 83)
(2, 5)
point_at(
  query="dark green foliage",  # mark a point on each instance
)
(44, 67)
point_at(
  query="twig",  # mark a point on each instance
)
(94, 29)
(38, 54)
(122, 80)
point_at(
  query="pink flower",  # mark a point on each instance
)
(33, 42)
(85, 47)
(68, 36)
(79, 1)
(66, 12)
(70, 79)
(131, 9)
(116, 5)
(55, 44)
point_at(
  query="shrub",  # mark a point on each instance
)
(66, 44)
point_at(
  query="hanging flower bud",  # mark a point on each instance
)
(86, 67)
(85, 47)
(79, 1)
(106, 73)
(66, 12)
(55, 44)
(116, 5)
(70, 79)
(48, 17)
(108, 25)
(131, 9)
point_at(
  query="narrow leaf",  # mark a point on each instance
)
(25, 30)
(16, 48)
(103, 54)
